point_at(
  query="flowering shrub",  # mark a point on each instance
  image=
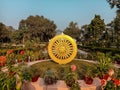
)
(110, 83)
(22, 52)
(22, 55)
(2, 60)
(9, 51)
(10, 57)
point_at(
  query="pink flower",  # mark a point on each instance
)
(103, 82)
(73, 68)
(110, 72)
(22, 52)
(9, 51)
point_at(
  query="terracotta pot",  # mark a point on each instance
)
(2, 64)
(35, 78)
(118, 61)
(19, 61)
(88, 80)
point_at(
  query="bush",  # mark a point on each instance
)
(70, 79)
(49, 77)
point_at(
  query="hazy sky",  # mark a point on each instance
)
(62, 12)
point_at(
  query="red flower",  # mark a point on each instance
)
(2, 59)
(103, 82)
(106, 76)
(73, 68)
(117, 82)
(9, 51)
(22, 52)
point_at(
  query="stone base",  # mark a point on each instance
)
(60, 85)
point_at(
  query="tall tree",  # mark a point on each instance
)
(96, 27)
(38, 26)
(117, 29)
(85, 39)
(73, 31)
(114, 3)
(4, 33)
(17, 36)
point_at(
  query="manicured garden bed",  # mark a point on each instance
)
(61, 70)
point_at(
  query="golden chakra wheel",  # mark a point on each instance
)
(62, 49)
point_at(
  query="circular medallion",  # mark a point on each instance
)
(62, 49)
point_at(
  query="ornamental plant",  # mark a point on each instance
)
(10, 51)
(104, 64)
(49, 77)
(2, 60)
(88, 76)
(71, 79)
(22, 55)
(108, 82)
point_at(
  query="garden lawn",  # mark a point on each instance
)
(62, 70)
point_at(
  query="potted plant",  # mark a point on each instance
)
(88, 76)
(7, 83)
(71, 79)
(34, 74)
(75, 86)
(26, 74)
(103, 66)
(111, 82)
(50, 77)
(117, 58)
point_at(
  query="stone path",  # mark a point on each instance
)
(60, 85)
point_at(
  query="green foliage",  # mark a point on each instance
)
(73, 31)
(49, 77)
(17, 36)
(7, 83)
(101, 49)
(96, 27)
(89, 72)
(23, 71)
(117, 29)
(110, 86)
(4, 34)
(26, 74)
(61, 70)
(118, 74)
(114, 3)
(37, 27)
(116, 57)
(104, 64)
(75, 86)
(35, 71)
(70, 79)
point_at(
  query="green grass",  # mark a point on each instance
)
(62, 70)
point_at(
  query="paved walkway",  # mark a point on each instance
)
(60, 85)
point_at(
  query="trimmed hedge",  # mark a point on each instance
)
(101, 49)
